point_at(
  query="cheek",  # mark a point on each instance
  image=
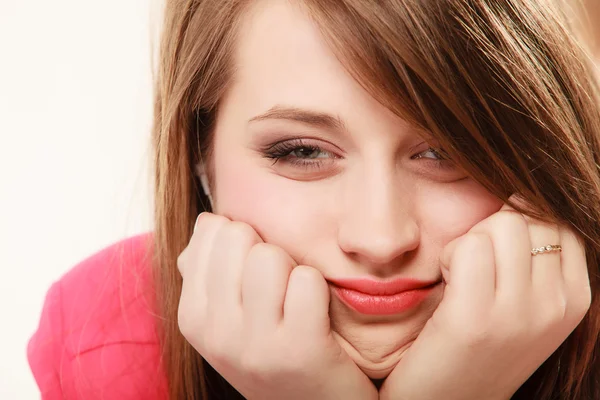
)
(447, 213)
(283, 212)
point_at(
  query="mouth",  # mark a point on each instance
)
(371, 297)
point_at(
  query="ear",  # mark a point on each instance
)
(201, 173)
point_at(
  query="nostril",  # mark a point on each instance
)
(378, 241)
(384, 251)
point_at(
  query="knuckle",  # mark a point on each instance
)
(306, 273)
(241, 232)
(560, 309)
(582, 302)
(473, 242)
(217, 345)
(586, 298)
(203, 217)
(218, 351)
(585, 293)
(202, 220)
(508, 220)
(511, 219)
(555, 315)
(188, 326)
(267, 252)
(256, 365)
(181, 261)
(551, 312)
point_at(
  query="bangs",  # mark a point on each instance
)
(486, 80)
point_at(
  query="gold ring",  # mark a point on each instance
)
(546, 249)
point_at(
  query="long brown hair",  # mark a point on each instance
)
(503, 85)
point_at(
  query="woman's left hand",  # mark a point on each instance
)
(503, 312)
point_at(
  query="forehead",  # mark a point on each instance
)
(282, 59)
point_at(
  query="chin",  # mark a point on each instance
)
(380, 367)
(377, 347)
(376, 350)
(378, 372)
(376, 358)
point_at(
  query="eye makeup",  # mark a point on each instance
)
(299, 152)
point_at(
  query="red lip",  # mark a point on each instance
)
(372, 297)
(381, 288)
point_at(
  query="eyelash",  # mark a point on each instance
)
(443, 162)
(281, 151)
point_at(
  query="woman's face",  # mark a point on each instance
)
(355, 193)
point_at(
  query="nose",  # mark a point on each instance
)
(377, 226)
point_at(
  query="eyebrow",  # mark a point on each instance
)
(304, 116)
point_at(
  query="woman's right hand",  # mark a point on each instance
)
(261, 320)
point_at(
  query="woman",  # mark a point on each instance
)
(403, 204)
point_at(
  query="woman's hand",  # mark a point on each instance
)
(259, 319)
(503, 312)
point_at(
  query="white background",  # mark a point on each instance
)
(75, 117)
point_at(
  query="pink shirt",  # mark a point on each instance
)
(96, 338)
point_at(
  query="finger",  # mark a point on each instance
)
(198, 248)
(192, 264)
(510, 235)
(264, 283)
(546, 272)
(306, 306)
(225, 266)
(575, 273)
(471, 276)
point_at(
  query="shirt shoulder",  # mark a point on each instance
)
(97, 335)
